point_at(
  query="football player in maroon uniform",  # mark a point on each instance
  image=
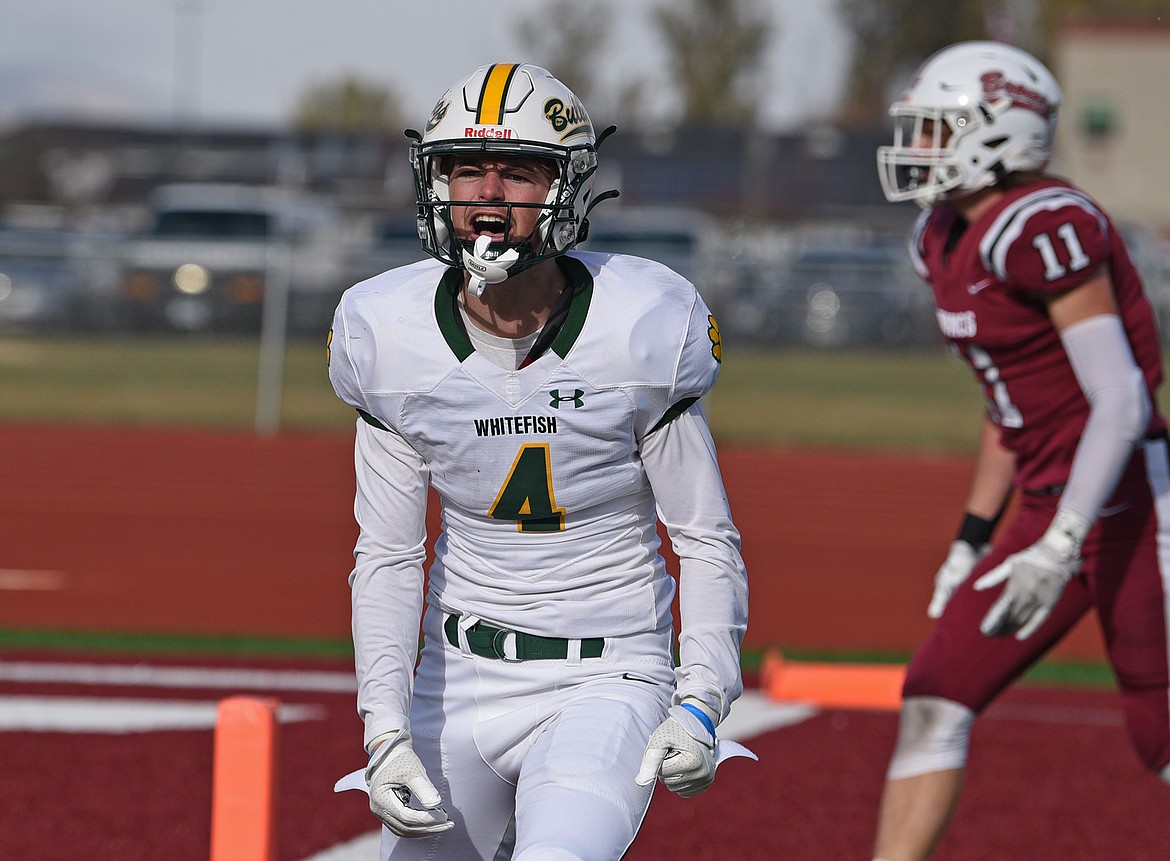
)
(1036, 291)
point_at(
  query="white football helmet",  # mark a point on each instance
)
(508, 109)
(973, 113)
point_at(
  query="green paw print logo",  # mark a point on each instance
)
(713, 334)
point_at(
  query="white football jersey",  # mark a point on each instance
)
(549, 521)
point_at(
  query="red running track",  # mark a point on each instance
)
(175, 531)
(1052, 778)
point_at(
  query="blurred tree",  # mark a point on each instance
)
(892, 37)
(569, 39)
(351, 106)
(715, 50)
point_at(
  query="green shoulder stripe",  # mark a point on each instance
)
(674, 412)
(370, 420)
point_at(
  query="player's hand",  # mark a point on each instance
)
(682, 752)
(956, 568)
(396, 777)
(1035, 577)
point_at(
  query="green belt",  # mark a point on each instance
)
(488, 642)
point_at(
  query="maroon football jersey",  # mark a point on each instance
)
(1046, 237)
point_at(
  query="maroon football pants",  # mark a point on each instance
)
(1125, 576)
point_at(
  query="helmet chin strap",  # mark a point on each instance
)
(484, 272)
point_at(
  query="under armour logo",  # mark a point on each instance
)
(557, 398)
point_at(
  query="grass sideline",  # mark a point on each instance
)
(787, 397)
(908, 400)
(180, 645)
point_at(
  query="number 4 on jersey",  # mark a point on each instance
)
(527, 495)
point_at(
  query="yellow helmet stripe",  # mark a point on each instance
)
(490, 111)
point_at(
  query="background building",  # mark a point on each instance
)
(1115, 123)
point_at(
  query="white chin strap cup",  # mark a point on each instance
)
(485, 272)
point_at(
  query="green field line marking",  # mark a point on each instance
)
(186, 644)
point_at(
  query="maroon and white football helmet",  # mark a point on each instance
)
(973, 113)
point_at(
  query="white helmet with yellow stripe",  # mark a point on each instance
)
(507, 109)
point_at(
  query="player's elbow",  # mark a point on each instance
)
(1127, 404)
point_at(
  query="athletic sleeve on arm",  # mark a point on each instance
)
(386, 584)
(681, 463)
(1119, 413)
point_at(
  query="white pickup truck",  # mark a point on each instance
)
(214, 252)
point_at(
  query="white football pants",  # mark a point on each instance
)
(535, 761)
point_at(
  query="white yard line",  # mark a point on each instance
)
(146, 675)
(120, 715)
(32, 580)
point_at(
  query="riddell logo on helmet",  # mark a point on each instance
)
(496, 132)
(994, 84)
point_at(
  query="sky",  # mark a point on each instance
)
(220, 63)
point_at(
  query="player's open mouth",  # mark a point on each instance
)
(491, 225)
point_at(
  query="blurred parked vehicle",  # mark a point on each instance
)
(844, 291)
(394, 243)
(689, 241)
(213, 254)
(39, 279)
(674, 237)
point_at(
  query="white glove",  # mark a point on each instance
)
(682, 752)
(1035, 578)
(955, 569)
(395, 776)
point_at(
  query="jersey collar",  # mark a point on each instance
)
(564, 327)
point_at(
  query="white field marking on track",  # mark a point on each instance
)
(122, 715)
(146, 675)
(32, 580)
(754, 713)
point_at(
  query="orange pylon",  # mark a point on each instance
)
(243, 812)
(828, 684)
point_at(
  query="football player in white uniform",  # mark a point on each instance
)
(551, 398)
